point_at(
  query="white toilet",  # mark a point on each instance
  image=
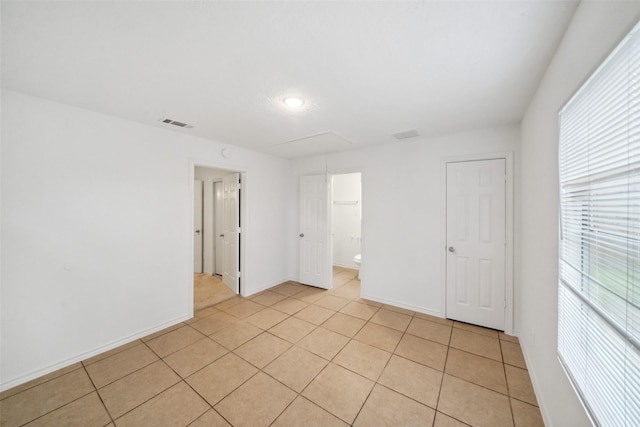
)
(357, 260)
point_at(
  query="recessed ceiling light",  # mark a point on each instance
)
(293, 102)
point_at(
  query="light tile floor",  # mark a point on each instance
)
(292, 356)
(209, 290)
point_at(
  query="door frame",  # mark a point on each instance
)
(332, 207)
(509, 231)
(329, 174)
(244, 205)
(343, 171)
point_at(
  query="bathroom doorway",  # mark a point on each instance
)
(346, 228)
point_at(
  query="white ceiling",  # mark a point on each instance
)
(365, 69)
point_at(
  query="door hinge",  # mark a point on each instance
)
(505, 303)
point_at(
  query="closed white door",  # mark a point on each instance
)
(231, 231)
(476, 245)
(219, 233)
(197, 226)
(314, 231)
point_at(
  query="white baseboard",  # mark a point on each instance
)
(88, 354)
(265, 287)
(416, 308)
(351, 266)
(535, 383)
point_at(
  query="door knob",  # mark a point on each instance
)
(198, 231)
(452, 249)
(301, 234)
(222, 235)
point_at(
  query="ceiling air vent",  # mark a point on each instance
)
(406, 134)
(176, 123)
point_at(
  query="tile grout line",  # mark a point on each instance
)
(503, 364)
(184, 380)
(126, 375)
(38, 384)
(130, 343)
(206, 401)
(506, 380)
(150, 398)
(66, 404)
(200, 369)
(393, 353)
(444, 369)
(383, 369)
(60, 407)
(98, 393)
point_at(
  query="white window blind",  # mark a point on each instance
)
(599, 282)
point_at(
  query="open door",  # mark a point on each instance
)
(314, 232)
(197, 226)
(231, 231)
(218, 226)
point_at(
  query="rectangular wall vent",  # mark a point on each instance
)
(176, 123)
(406, 134)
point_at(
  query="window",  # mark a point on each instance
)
(599, 280)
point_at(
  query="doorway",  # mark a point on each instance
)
(216, 236)
(346, 226)
(477, 236)
(323, 200)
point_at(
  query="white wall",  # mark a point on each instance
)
(208, 176)
(96, 230)
(346, 218)
(595, 30)
(401, 211)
